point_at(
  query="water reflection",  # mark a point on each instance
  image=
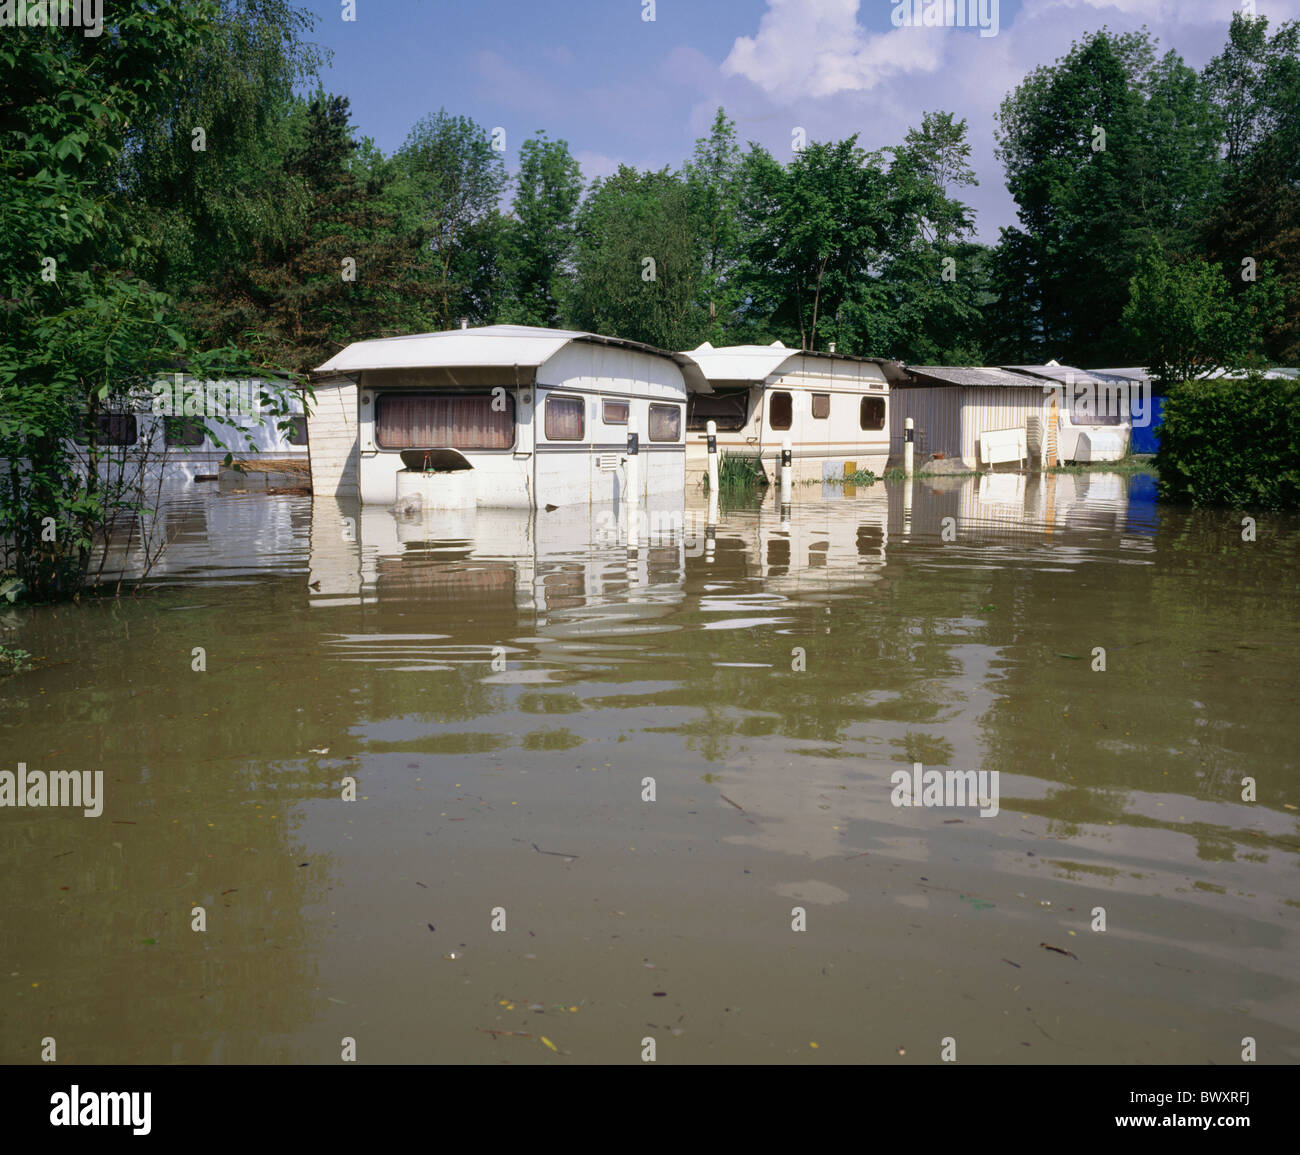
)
(501, 685)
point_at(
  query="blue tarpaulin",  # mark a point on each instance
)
(1145, 439)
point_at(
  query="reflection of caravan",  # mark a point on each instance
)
(510, 416)
(834, 409)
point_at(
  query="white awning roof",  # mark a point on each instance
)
(756, 363)
(489, 346)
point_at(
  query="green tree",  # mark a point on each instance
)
(353, 267)
(1104, 151)
(815, 231)
(539, 238)
(712, 178)
(1255, 87)
(456, 180)
(1185, 320)
(639, 261)
(202, 170)
(79, 331)
(925, 306)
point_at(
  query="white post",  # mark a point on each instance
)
(787, 471)
(711, 526)
(907, 505)
(711, 437)
(907, 447)
(633, 495)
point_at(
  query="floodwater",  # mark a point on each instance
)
(501, 687)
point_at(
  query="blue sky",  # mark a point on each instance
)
(620, 88)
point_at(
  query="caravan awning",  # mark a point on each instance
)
(754, 364)
(511, 347)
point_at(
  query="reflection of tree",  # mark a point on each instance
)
(1185, 706)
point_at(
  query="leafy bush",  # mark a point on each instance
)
(1232, 443)
(740, 471)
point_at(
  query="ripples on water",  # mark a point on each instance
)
(501, 686)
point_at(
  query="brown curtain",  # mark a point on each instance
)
(443, 421)
(564, 418)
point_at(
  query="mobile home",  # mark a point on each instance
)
(833, 408)
(168, 446)
(963, 412)
(504, 416)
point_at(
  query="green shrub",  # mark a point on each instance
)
(1232, 443)
(739, 471)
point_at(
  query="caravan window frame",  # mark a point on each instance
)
(665, 408)
(862, 413)
(582, 417)
(381, 398)
(771, 405)
(726, 423)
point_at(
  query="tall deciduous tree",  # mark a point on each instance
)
(814, 233)
(539, 238)
(79, 330)
(457, 179)
(712, 177)
(639, 260)
(1255, 86)
(1185, 319)
(1104, 151)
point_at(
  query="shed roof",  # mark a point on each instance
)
(973, 375)
(1135, 373)
(754, 363)
(1065, 374)
(488, 346)
(1005, 376)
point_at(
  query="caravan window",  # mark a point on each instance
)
(871, 413)
(296, 434)
(1097, 407)
(116, 429)
(565, 418)
(616, 412)
(444, 421)
(665, 423)
(821, 405)
(728, 410)
(780, 411)
(182, 432)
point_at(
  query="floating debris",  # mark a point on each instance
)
(555, 853)
(1059, 950)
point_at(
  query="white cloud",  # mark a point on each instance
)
(596, 164)
(817, 48)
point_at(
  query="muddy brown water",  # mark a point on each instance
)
(500, 687)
